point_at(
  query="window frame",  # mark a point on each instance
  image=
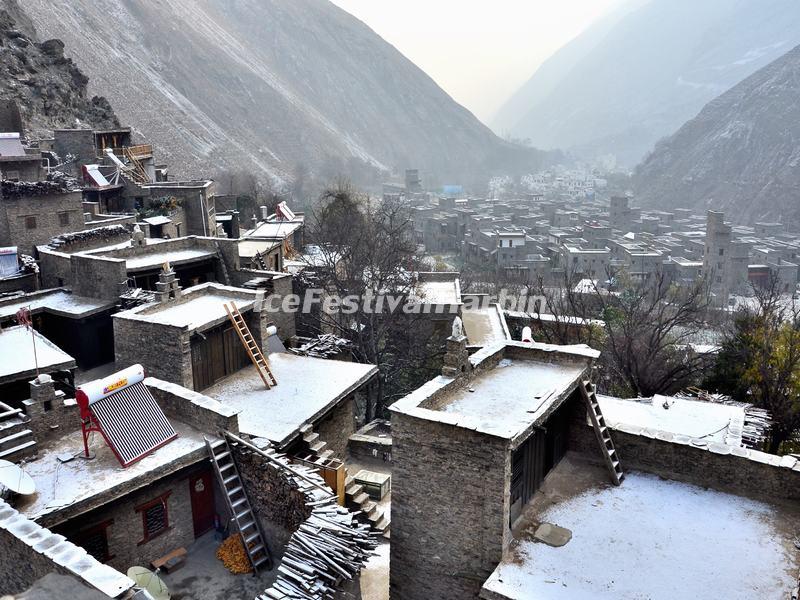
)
(143, 508)
(63, 218)
(28, 219)
(80, 537)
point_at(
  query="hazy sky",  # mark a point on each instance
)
(479, 51)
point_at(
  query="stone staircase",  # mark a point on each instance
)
(355, 497)
(369, 510)
(316, 446)
(16, 439)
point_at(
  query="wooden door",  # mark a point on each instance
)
(201, 491)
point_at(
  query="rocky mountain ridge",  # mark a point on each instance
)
(36, 78)
(741, 154)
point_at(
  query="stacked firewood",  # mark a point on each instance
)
(330, 546)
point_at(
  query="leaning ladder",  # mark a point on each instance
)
(262, 366)
(239, 505)
(588, 391)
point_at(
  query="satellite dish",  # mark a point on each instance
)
(15, 479)
(149, 582)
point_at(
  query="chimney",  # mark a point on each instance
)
(456, 358)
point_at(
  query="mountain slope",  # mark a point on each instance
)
(268, 86)
(741, 154)
(48, 89)
(651, 71)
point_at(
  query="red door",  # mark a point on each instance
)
(201, 490)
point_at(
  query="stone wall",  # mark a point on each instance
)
(47, 212)
(51, 415)
(281, 287)
(281, 507)
(30, 552)
(735, 470)
(193, 408)
(97, 277)
(125, 530)
(29, 282)
(337, 426)
(164, 350)
(449, 509)
(55, 269)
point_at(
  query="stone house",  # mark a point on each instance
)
(31, 215)
(506, 432)
(91, 518)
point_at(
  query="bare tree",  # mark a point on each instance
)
(365, 250)
(649, 329)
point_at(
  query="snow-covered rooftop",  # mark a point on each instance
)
(648, 538)
(307, 388)
(505, 400)
(17, 354)
(439, 292)
(275, 229)
(485, 326)
(509, 398)
(59, 302)
(693, 418)
(200, 307)
(173, 257)
(81, 485)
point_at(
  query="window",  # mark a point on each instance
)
(722, 251)
(30, 222)
(155, 517)
(63, 218)
(12, 175)
(95, 541)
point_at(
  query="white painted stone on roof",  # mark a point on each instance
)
(306, 388)
(17, 352)
(654, 539)
(64, 553)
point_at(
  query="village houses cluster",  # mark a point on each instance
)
(161, 433)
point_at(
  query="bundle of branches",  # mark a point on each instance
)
(88, 235)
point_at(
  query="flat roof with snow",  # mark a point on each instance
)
(17, 357)
(66, 489)
(200, 307)
(175, 258)
(485, 326)
(307, 388)
(59, 302)
(516, 386)
(695, 419)
(648, 538)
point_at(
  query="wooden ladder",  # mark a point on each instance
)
(262, 366)
(588, 391)
(239, 505)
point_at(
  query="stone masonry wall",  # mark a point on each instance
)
(163, 350)
(97, 277)
(125, 532)
(193, 408)
(55, 269)
(734, 470)
(337, 427)
(281, 508)
(449, 509)
(47, 211)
